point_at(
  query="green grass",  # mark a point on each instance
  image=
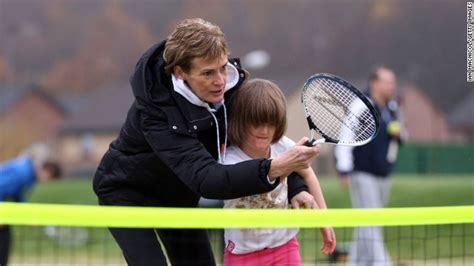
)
(32, 245)
(411, 191)
(406, 191)
(65, 191)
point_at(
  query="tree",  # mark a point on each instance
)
(108, 53)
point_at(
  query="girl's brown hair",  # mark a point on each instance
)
(256, 103)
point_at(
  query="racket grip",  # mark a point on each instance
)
(309, 143)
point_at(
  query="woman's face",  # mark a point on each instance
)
(207, 78)
(260, 137)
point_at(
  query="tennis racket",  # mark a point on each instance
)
(338, 112)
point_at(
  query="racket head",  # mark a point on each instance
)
(338, 111)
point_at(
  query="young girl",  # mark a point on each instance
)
(256, 128)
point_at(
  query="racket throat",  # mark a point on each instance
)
(318, 141)
(312, 142)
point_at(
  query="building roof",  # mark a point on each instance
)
(462, 115)
(10, 95)
(100, 110)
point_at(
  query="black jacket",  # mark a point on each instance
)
(166, 152)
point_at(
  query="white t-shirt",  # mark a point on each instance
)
(242, 241)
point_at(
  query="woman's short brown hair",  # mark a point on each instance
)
(190, 39)
(256, 103)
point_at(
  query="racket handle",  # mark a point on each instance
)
(310, 143)
(314, 142)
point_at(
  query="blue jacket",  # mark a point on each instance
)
(16, 177)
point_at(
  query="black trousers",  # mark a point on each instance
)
(5, 239)
(183, 246)
(142, 246)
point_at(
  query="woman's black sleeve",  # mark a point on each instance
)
(188, 159)
(296, 184)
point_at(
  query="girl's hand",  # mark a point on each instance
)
(329, 240)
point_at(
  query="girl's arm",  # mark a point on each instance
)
(329, 237)
(314, 188)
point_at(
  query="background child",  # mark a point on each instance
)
(17, 176)
(256, 127)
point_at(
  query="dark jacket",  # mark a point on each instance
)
(372, 157)
(166, 152)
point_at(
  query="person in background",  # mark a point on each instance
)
(17, 177)
(366, 169)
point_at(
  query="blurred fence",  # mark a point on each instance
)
(436, 159)
(449, 244)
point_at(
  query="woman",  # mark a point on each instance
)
(169, 149)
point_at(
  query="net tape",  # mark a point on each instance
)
(154, 217)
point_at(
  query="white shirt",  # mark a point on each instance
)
(242, 241)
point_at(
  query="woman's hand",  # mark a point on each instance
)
(329, 240)
(303, 200)
(296, 158)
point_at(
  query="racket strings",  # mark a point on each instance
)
(329, 105)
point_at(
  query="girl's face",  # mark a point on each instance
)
(260, 137)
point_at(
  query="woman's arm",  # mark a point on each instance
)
(194, 166)
(189, 161)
